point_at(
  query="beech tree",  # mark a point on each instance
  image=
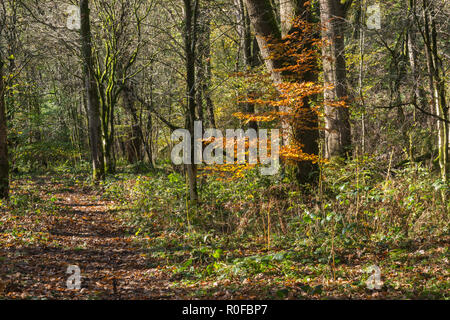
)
(265, 26)
(337, 134)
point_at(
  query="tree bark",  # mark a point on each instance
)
(266, 28)
(419, 91)
(137, 137)
(437, 85)
(206, 88)
(4, 162)
(337, 124)
(92, 98)
(190, 40)
(249, 57)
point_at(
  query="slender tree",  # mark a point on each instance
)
(249, 53)
(4, 162)
(191, 9)
(92, 98)
(426, 23)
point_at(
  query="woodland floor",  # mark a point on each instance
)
(54, 222)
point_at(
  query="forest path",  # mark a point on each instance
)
(72, 225)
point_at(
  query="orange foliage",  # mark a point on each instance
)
(300, 52)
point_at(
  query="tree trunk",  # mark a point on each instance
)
(419, 91)
(4, 163)
(337, 134)
(442, 109)
(437, 86)
(206, 89)
(149, 141)
(190, 39)
(249, 57)
(92, 98)
(149, 127)
(265, 26)
(137, 137)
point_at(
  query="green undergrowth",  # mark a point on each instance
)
(306, 242)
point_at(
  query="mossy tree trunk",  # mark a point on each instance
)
(92, 97)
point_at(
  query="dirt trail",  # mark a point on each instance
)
(85, 233)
